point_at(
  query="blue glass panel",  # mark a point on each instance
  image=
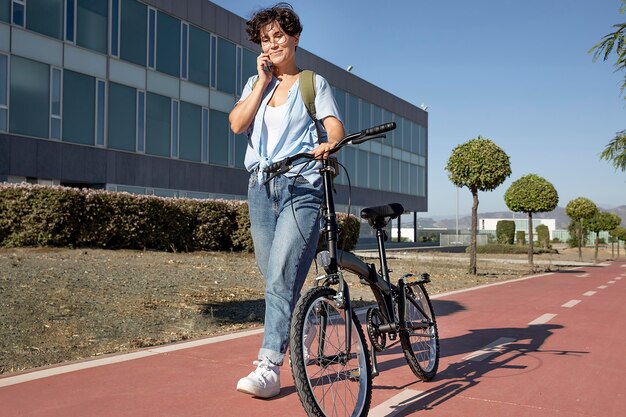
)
(226, 66)
(218, 137)
(115, 27)
(92, 24)
(184, 52)
(5, 11)
(30, 96)
(100, 113)
(79, 107)
(18, 14)
(121, 126)
(141, 121)
(3, 79)
(190, 147)
(133, 32)
(151, 38)
(45, 17)
(69, 20)
(158, 124)
(174, 141)
(168, 45)
(199, 47)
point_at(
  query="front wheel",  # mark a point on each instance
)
(330, 380)
(420, 343)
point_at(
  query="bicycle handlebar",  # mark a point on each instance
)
(364, 135)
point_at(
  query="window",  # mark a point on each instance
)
(5, 11)
(218, 137)
(199, 46)
(190, 147)
(366, 115)
(362, 168)
(398, 133)
(385, 173)
(168, 45)
(115, 28)
(205, 135)
(238, 69)
(414, 180)
(141, 122)
(184, 51)
(45, 17)
(121, 126)
(158, 124)
(353, 114)
(100, 114)
(4, 99)
(152, 22)
(248, 67)
(395, 176)
(19, 13)
(349, 160)
(175, 131)
(340, 98)
(374, 171)
(226, 66)
(133, 32)
(92, 18)
(241, 146)
(404, 177)
(79, 108)
(55, 103)
(70, 20)
(29, 93)
(213, 62)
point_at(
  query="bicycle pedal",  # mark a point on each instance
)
(411, 279)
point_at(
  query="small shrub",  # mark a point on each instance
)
(509, 249)
(520, 237)
(543, 236)
(505, 231)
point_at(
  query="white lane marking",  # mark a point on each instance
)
(543, 319)
(589, 293)
(601, 287)
(571, 303)
(611, 282)
(44, 373)
(618, 277)
(489, 350)
(582, 275)
(396, 404)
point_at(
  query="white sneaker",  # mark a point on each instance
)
(263, 382)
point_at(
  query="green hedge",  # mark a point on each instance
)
(39, 215)
(510, 249)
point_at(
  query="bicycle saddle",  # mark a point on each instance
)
(380, 213)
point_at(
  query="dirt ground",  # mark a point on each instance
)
(59, 305)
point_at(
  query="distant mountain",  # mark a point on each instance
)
(562, 219)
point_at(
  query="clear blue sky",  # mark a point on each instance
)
(516, 72)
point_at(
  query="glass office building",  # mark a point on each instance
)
(134, 96)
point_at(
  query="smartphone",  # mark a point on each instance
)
(268, 66)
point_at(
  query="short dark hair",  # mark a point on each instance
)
(282, 13)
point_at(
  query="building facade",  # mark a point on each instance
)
(134, 96)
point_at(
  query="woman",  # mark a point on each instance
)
(284, 212)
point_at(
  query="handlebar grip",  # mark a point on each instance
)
(377, 130)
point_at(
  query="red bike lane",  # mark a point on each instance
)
(550, 345)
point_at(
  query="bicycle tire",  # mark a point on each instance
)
(420, 346)
(325, 385)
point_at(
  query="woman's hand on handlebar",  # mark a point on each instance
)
(322, 151)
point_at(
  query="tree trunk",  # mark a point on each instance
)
(530, 239)
(595, 255)
(580, 239)
(472, 267)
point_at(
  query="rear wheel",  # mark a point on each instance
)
(420, 345)
(329, 381)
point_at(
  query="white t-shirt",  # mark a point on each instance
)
(272, 122)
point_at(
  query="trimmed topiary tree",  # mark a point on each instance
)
(479, 165)
(579, 209)
(531, 194)
(600, 221)
(505, 232)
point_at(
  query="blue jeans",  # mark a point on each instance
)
(283, 254)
